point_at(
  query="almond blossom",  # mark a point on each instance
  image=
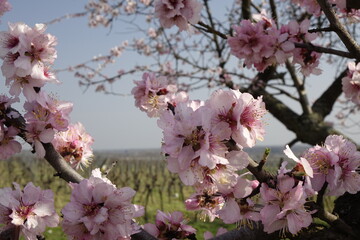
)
(311, 6)
(177, 12)
(241, 112)
(152, 94)
(207, 203)
(305, 167)
(99, 210)
(4, 7)
(252, 43)
(284, 206)
(169, 226)
(349, 162)
(325, 166)
(209, 235)
(351, 83)
(74, 145)
(8, 145)
(31, 209)
(27, 53)
(49, 110)
(38, 133)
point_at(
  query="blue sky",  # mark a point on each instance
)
(113, 121)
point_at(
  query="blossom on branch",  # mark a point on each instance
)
(284, 208)
(31, 209)
(8, 145)
(4, 7)
(351, 83)
(74, 145)
(152, 94)
(169, 226)
(99, 210)
(177, 12)
(49, 110)
(349, 162)
(28, 54)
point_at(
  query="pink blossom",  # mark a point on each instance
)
(152, 94)
(252, 43)
(32, 209)
(243, 211)
(28, 84)
(351, 83)
(74, 145)
(209, 235)
(183, 134)
(169, 226)
(208, 203)
(284, 206)
(308, 60)
(251, 127)
(304, 168)
(99, 210)
(325, 166)
(10, 40)
(241, 113)
(4, 7)
(8, 145)
(49, 110)
(5, 106)
(177, 12)
(27, 52)
(349, 161)
(311, 6)
(38, 133)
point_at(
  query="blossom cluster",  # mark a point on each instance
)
(4, 7)
(102, 12)
(205, 143)
(314, 8)
(99, 210)
(152, 94)
(30, 209)
(74, 145)
(335, 163)
(284, 206)
(169, 226)
(262, 44)
(28, 54)
(351, 83)
(178, 12)
(196, 135)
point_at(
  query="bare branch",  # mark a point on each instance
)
(304, 101)
(324, 104)
(339, 29)
(319, 49)
(245, 9)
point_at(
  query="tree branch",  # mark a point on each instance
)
(325, 103)
(319, 49)
(63, 169)
(339, 29)
(245, 9)
(303, 99)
